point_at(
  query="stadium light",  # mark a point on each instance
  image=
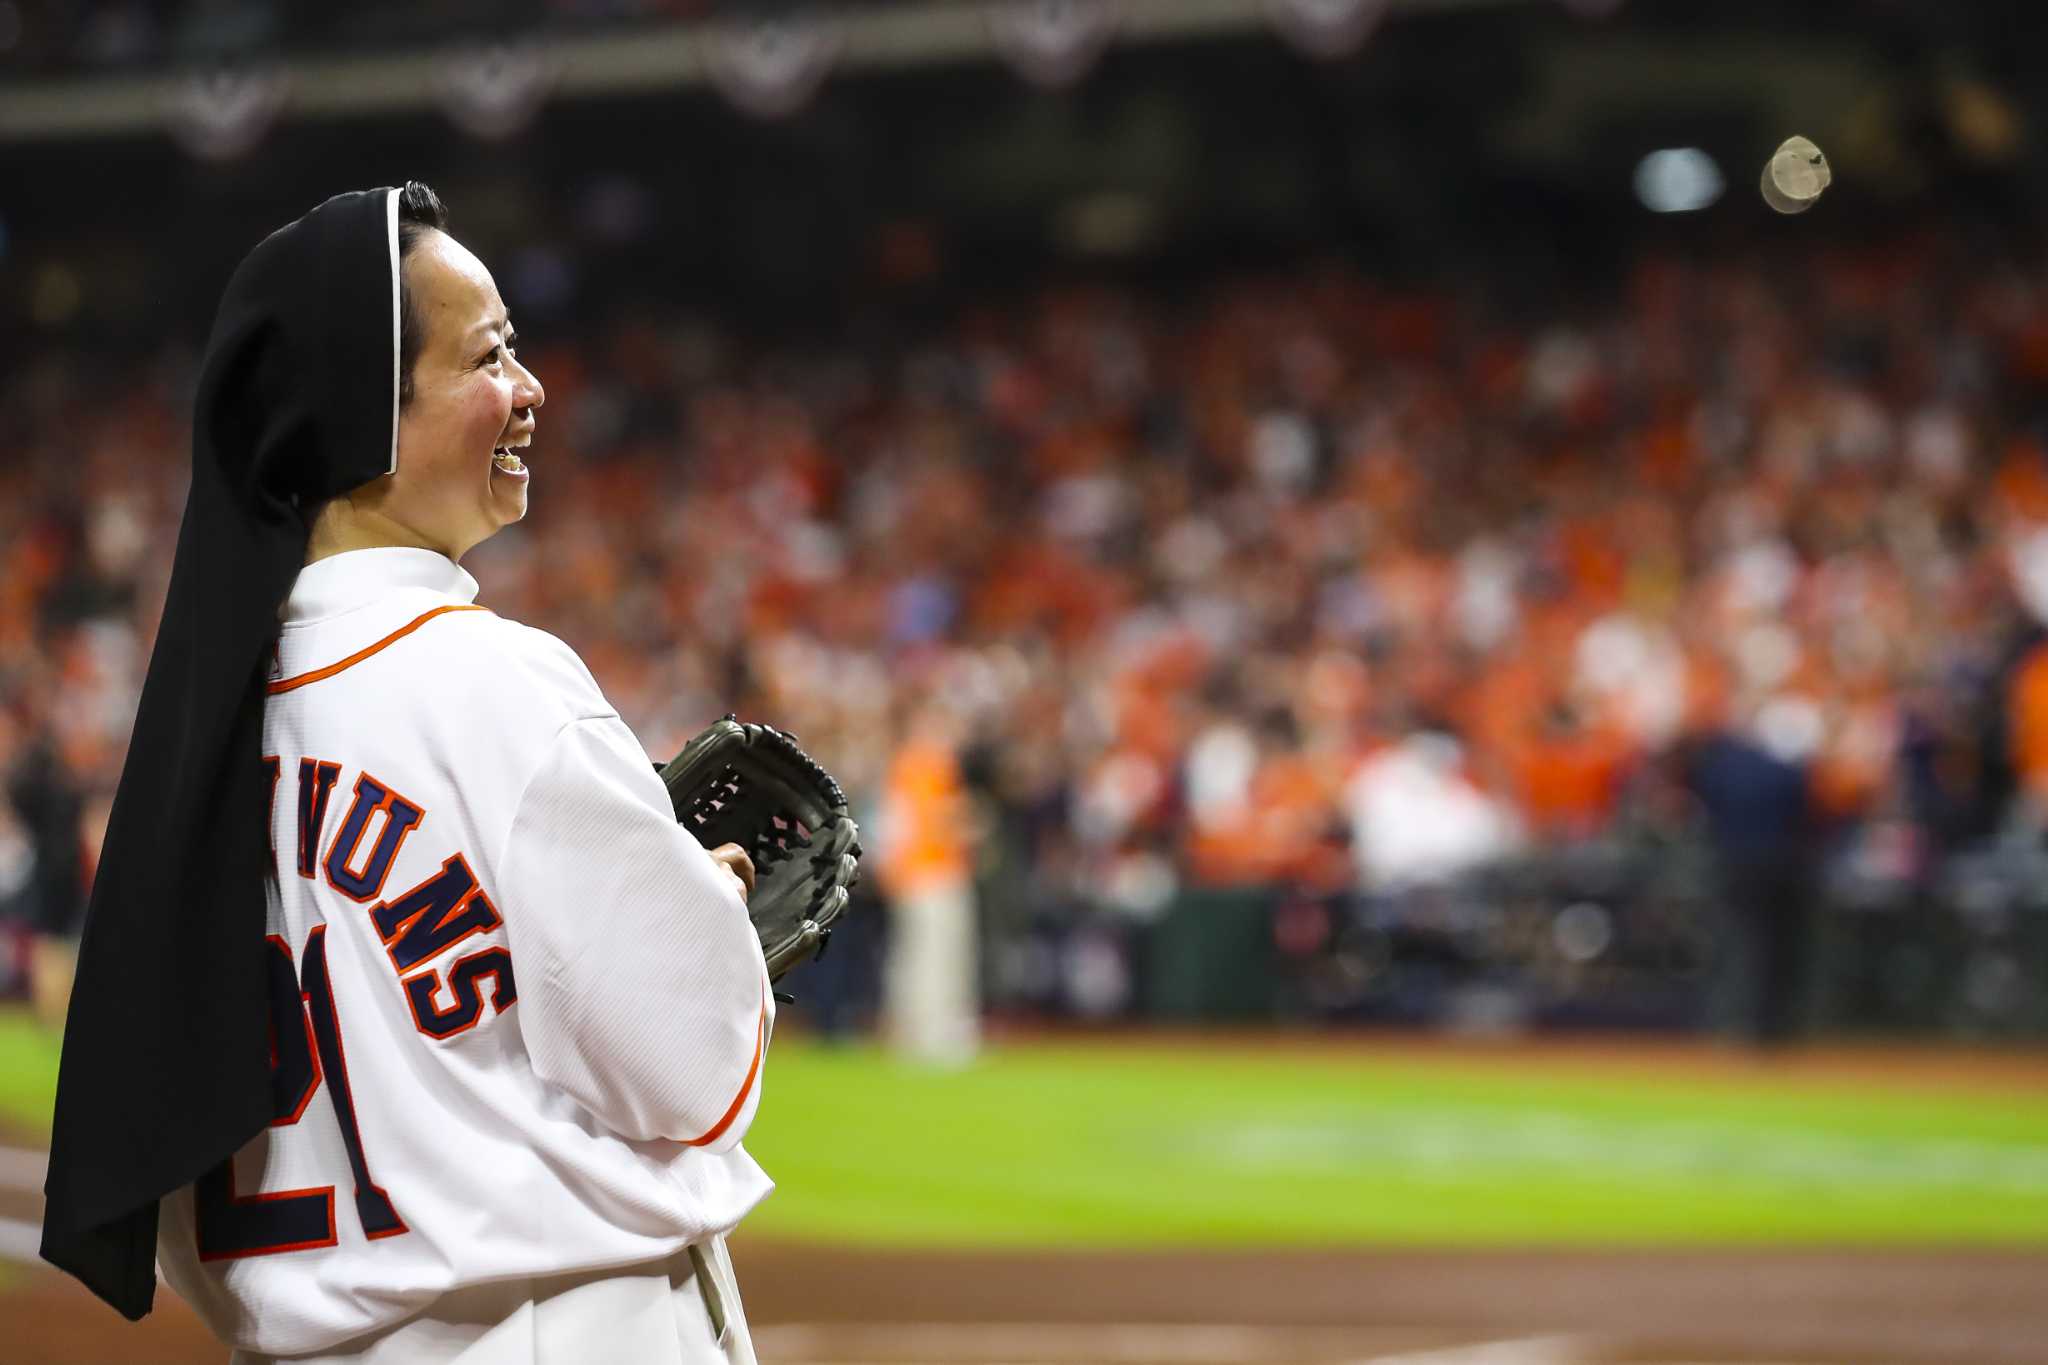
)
(1678, 180)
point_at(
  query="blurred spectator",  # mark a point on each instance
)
(1184, 568)
(931, 1004)
(1416, 818)
(58, 838)
(1753, 790)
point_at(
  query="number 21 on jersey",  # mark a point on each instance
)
(305, 1046)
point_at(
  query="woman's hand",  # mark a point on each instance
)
(737, 865)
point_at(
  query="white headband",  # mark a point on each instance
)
(391, 236)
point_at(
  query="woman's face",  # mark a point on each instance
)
(470, 400)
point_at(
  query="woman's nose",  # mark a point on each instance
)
(531, 394)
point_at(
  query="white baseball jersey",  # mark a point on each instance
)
(519, 1016)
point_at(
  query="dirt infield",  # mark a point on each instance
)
(811, 1305)
(1608, 1306)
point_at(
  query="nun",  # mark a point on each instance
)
(408, 1025)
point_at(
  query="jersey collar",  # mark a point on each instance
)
(356, 578)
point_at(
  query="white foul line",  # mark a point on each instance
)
(1019, 1343)
(20, 1241)
(22, 1169)
(1547, 1350)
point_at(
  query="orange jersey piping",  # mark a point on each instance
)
(746, 1087)
(287, 684)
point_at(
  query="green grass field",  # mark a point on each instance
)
(1155, 1145)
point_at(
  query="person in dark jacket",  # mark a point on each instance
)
(1753, 797)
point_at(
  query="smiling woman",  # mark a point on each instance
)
(465, 405)
(439, 820)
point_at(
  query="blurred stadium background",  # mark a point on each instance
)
(1454, 713)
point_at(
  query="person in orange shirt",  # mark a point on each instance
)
(2027, 723)
(931, 976)
(1569, 773)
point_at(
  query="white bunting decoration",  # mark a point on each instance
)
(493, 91)
(771, 67)
(1326, 29)
(1053, 42)
(220, 113)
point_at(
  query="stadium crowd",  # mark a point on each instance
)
(1307, 578)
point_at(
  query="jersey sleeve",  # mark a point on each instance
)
(642, 989)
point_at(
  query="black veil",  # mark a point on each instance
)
(166, 1067)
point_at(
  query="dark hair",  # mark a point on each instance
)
(419, 209)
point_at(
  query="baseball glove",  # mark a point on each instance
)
(751, 785)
